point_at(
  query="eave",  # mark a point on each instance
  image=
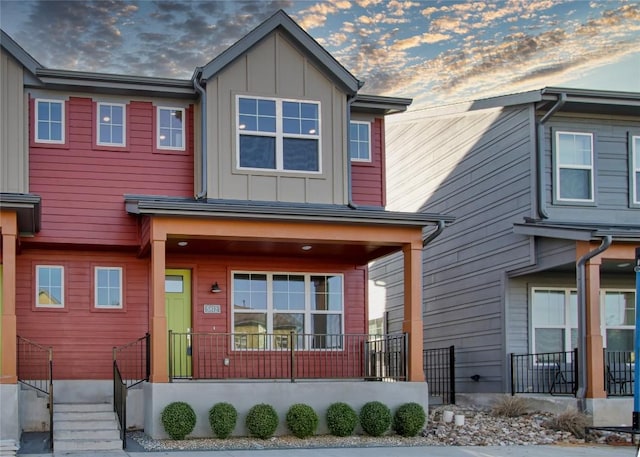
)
(376, 104)
(578, 231)
(27, 207)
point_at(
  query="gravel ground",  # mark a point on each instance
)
(480, 429)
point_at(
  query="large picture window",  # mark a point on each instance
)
(574, 167)
(49, 286)
(278, 134)
(619, 319)
(554, 318)
(277, 304)
(49, 121)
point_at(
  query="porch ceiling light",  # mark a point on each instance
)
(624, 265)
(182, 243)
(215, 288)
(306, 247)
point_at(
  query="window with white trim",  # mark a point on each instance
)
(170, 128)
(554, 320)
(111, 124)
(108, 287)
(267, 307)
(574, 167)
(635, 169)
(49, 121)
(360, 141)
(619, 319)
(278, 134)
(49, 286)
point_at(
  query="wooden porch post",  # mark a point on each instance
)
(8, 349)
(594, 349)
(157, 314)
(412, 323)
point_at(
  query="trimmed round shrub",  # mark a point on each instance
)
(375, 418)
(341, 419)
(302, 420)
(222, 418)
(409, 419)
(178, 419)
(262, 421)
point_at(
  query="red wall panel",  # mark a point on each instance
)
(368, 178)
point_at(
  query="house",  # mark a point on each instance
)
(199, 232)
(545, 188)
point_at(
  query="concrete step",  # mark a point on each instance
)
(85, 425)
(82, 407)
(83, 415)
(97, 434)
(86, 445)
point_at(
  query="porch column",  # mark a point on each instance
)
(8, 348)
(157, 314)
(594, 349)
(412, 323)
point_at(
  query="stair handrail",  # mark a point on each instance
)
(120, 400)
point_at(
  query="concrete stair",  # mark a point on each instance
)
(85, 427)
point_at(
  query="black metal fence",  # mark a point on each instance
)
(287, 356)
(35, 369)
(555, 373)
(619, 373)
(439, 372)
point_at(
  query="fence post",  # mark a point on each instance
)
(575, 371)
(148, 356)
(50, 397)
(452, 373)
(293, 356)
(513, 381)
(171, 348)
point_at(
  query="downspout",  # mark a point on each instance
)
(350, 202)
(542, 207)
(203, 121)
(434, 234)
(582, 318)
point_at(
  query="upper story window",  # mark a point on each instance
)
(108, 287)
(171, 132)
(49, 286)
(574, 167)
(635, 170)
(360, 141)
(278, 134)
(111, 124)
(49, 122)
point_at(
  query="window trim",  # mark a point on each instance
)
(557, 167)
(634, 170)
(566, 326)
(124, 125)
(98, 307)
(279, 135)
(63, 127)
(370, 155)
(270, 310)
(158, 109)
(38, 305)
(603, 322)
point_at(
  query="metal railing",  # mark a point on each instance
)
(555, 373)
(35, 369)
(619, 373)
(287, 356)
(131, 366)
(440, 373)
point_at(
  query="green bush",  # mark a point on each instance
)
(222, 418)
(341, 419)
(262, 421)
(375, 418)
(302, 420)
(178, 419)
(409, 419)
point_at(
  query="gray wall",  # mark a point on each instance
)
(14, 170)
(275, 68)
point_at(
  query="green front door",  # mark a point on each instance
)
(178, 309)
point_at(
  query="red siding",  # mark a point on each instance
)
(82, 185)
(368, 178)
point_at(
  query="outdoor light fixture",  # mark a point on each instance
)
(182, 243)
(475, 377)
(306, 247)
(215, 288)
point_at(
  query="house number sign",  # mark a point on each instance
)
(212, 309)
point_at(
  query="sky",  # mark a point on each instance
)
(436, 52)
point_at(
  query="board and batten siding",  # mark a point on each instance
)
(368, 178)
(274, 67)
(476, 166)
(611, 161)
(82, 185)
(14, 162)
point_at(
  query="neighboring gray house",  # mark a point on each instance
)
(536, 181)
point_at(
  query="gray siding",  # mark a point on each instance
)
(476, 167)
(274, 67)
(14, 165)
(611, 158)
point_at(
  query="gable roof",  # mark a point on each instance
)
(18, 53)
(281, 20)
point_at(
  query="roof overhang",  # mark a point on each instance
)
(577, 231)
(375, 104)
(27, 207)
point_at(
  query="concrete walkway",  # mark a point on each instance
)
(419, 451)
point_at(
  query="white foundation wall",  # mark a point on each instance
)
(9, 423)
(281, 395)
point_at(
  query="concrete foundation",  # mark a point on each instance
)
(34, 414)
(610, 411)
(281, 395)
(9, 424)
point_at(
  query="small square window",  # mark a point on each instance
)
(360, 141)
(108, 287)
(171, 131)
(49, 286)
(111, 124)
(49, 121)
